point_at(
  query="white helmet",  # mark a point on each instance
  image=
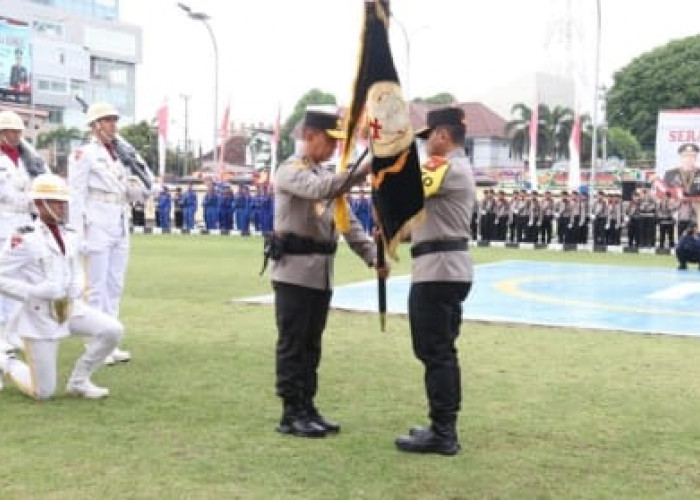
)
(99, 110)
(9, 120)
(49, 187)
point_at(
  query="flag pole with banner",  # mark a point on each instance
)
(378, 104)
(162, 118)
(223, 132)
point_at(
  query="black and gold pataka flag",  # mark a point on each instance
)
(378, 105)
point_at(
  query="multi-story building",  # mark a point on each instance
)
(76, 47)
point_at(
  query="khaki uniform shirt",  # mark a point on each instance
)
(302, 191)
(448, 214)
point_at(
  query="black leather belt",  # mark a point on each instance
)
(426, 247)
(300, 245)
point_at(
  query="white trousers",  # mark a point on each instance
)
(107, 260)
(37, 376)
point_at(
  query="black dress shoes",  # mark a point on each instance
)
(328, 425)
(422, 440)
(300, 427)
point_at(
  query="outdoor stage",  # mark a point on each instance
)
(632, 299)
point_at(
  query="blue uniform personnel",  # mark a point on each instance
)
(189, 207)
(210, 204)
(267, 209)
(164, 207)
(226, 210)
(242, 210)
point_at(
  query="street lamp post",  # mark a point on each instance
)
(596, 90)
(201, 16)
(186, 98)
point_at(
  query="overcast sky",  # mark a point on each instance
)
(272, 51)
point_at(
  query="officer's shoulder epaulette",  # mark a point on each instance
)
(299, 163)
(24, 229)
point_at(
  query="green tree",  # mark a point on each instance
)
(438, 99)
(313, 96)
(622, 143)
(668, 77)
(143, 137)
(58, 141)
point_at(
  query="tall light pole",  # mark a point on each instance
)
(201, 16)
(596, 90)
(186, 98)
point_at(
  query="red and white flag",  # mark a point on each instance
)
(575, 155)
(162, 119)
(532, 154)
(223, 132)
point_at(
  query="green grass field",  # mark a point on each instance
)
(548, 412)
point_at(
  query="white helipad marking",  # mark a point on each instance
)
(676, 292)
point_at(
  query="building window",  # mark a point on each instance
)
(56, 116)
(52, 85)
(48, 28)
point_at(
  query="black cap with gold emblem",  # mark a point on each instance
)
(689, 148)
(328, 122)
(444, 116)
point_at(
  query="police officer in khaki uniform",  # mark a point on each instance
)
(686, 177)
(303, 248)
(441, 279)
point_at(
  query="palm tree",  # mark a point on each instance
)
(518, 129)
(59, 140)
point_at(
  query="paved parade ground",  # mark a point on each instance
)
(633, 299)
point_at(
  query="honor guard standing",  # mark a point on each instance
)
(572, 231)
(548, 209)
(502, 211)
(585, 219)
(600, 218)
(441, 279)
(632, 221)
(615, 221)
(514, 216)
(189, 207)
(40, 267)
(563, 217)
(165, 204)
(210, 206)
(303, 250)
(178, 207)
(487, 216)
(101, 189)
(534, 216)
(665, 212)
(647, 218)
(15, 203)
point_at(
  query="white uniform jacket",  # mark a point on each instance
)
(101, 189)
(34, 271)
(15, 203)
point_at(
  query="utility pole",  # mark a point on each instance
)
(186, 98)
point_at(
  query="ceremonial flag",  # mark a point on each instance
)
(532, 155)
(223, 132)
(377, 102)
(575, 155)
(162, 119)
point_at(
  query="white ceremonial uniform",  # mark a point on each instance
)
(49, 284)
(15, 211)
(99, 211)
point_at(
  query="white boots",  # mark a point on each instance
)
(118, 356)
(86, 389)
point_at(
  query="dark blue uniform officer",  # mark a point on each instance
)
(226, 209)
(210, 204)
(164, 207)
(189, 207)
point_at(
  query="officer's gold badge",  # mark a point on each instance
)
(389, 123)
